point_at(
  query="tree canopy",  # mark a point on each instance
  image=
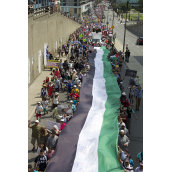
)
(140, 7)
(123, 7)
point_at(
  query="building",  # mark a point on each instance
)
(76, 8)
(133, 3)
(45, 3)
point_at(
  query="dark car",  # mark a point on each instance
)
(140, 41)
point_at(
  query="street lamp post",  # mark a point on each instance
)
(125, 26)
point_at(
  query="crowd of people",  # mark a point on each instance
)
(68, 77)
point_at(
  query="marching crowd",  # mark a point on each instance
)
(68, 77)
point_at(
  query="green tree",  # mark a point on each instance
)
(140, 7)
(123, 7)
(114, 6)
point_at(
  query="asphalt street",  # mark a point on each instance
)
(136, 50)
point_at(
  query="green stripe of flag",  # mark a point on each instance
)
(108, 139)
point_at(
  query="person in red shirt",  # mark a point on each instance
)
(62, 124)
(76, 96)
(57, 72)
(50, 89)
(125, 103)
(47, 79)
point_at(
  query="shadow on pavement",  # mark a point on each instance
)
(31, 160)
(34, 104)
(139, 59)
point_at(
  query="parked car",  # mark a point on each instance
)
(140, 41)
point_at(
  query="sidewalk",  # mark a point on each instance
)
(133, 63)
(33, 98)
(35, 88)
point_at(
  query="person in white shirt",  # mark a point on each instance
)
(41, 146)
(55, 100)
(139, 169)
(136, 81)
(125, 164)
(84, 74)
(45, 105)
(65, 117)
(38, 111)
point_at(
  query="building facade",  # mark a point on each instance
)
(76, 8)
(45, 3)
(133, 3)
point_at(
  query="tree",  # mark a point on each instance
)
(114, 6)
(123, 7)
(140, 7)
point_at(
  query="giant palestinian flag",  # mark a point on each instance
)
(88, 143)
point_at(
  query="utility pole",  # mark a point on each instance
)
(125, 26)
(113, 22)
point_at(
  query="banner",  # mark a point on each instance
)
(50, 124)
(64, 109)
(90, 138)
(131, 82)
(53, 63)
(131, 73)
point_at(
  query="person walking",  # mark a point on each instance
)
(57, 84)
(55, 100)
(38, 110)
(123, 140)
(139, 169)
(137, 81)
(40, 162)
(125, 129)
(35, 133)
(124, 163)
(128, 55)
(60, 66)
(129, 112)
(45, 105)
(57, 72)
(43, 136)
(50, 152)
(69, 86)
(52, 140)
(50, 89)
(132, 94)
(138, 97)
(59, 51)
(43, 92)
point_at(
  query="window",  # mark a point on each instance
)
(64, 2)
(75, 10)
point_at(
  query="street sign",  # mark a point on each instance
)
(112, 27)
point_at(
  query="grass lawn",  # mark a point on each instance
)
(134, 11)
(133, 16)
